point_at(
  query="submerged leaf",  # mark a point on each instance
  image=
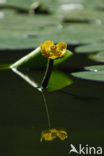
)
(58, 80)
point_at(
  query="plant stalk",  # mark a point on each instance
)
(47, 73)
(47, 111)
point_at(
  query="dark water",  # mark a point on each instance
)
(79, 109)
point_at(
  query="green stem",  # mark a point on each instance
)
(45, 102)
(47, 73)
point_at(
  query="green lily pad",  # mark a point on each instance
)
(96, 68)
(58, 80)
(82, 16)
(95, 47)
(36, 60)
(98, 57)
(31, 7)
(92, 76)
(21, 31)
(26, 3)
(93, 3)
(75, 33)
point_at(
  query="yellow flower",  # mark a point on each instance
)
(51, 134)
(52, 51)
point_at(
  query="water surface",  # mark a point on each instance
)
(79, 109)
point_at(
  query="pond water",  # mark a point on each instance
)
(78, 108)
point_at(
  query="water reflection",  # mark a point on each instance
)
(58, 79)
(32, 79)
(26, 78)
(51, 134)
(23, 116)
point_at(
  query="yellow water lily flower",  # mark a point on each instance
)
(52, 51)
(51, 134)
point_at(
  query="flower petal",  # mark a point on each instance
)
(61, 46)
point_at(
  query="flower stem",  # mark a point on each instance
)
(47, 73)
(47, 112)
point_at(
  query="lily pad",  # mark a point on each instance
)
(96, 68)
(26, 3)
(98, 57)
(75, 33)
(92, 76)
(82, 16)
(93, 3)
(36, 60)
(20, 31)
(24, 31)
(95, 47)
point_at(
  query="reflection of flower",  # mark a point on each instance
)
(52, 51)
(51, 134)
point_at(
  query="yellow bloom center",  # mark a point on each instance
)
(52, 51)
(52, 134)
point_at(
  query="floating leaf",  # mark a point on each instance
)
(90, 48)
(81, 16)
(31, 60)
(36, 60)
(33, 30)
(25, 4)
(98, 57)
(91, 75)
(21, 31)
(75, 33)
(96, 68)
